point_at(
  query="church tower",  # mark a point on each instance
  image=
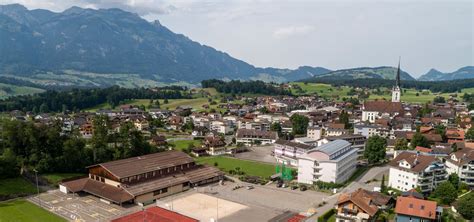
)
(396, 90)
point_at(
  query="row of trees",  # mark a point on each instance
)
(48, 149)
(238, 87)
(435, 86)
(79, 99)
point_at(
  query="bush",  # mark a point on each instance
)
(327, 186)
(325, 217)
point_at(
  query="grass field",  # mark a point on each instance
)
(7, 90)
(16, 186)
(409, 95)
(183, 144)
(250, 168)
(55, 178)
(23, 211)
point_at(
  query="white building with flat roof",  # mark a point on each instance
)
(331, 162)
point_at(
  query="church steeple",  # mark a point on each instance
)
(397, 90)
(398, 74)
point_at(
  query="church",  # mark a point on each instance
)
(383, 109)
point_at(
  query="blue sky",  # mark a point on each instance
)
(332, 34)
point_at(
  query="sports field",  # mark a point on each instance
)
(21, 210)
(251, 168)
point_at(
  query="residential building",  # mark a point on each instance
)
(361, 205)
(461, 162)
(314, 132)
(409, 170)
(251, 136)
(143, 179)
(331, 162)
(412, 209)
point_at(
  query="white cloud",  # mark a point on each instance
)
(289, 31)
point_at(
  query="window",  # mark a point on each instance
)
(410, 206)
(422, 207)
(160, 191)
(102, 180)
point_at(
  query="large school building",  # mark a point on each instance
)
(143, 179)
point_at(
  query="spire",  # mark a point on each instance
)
(398, 74)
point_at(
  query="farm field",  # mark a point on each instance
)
(7, 90)
(409, 95)
(16, 185)
(21, 210)
(250, 168)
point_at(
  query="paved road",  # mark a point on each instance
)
(375, 172)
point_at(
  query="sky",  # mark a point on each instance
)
(334, 34)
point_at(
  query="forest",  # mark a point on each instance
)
(239, 87)
(45, 148)
(435, 86)
(79, 99)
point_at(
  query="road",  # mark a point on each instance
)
(375, 172)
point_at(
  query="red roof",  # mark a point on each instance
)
(416, 207)
(423, 149)
(155, 214)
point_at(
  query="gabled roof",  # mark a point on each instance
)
(416, 207)
(383, 106)
(147, 163)
(418, 162)
(366, 200)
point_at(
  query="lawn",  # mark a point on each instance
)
(183, 144)
(250, 168)
(23, 211)
(16, 186)
(55, 178)
(7, 90)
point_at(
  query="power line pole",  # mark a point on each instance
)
(37, 187)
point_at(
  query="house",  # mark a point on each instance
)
(251, 136)
(159, 141)
(142, 179)
(454, 135)
(412, 209)
(361, 205)
(155, 214)
(461, 163)
(287, 152)
(373, 110)
(409, 170)
(314, 132)
(215, 145)
(369, 130)
(331, 162)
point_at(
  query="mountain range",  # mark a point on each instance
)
(88, 47)
(435, 75)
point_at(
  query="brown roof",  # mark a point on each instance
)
(109, 192)
(147, 163)
(464, 156)
(418, 162)
(383, 106)
(293, 144)
(366, 200)
(256, 134)
(416, 207)
(193, 176)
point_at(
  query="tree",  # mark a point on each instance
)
(466, 206)
(299, 123)
(439, 99)
(375, 149)
(454, 180)
(419, 140)
(8, 165)
(401, 144)
(441, 130)
(383, 188)
(165, 101)
(44, 108)
(276, 127)
(99, 140)
(454, 147)
(470, 133)
(446, 192)
(344, 118)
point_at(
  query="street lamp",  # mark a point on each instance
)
(37, 186)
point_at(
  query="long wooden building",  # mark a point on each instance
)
(143, 179)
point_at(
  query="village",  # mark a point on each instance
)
(275, 158)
